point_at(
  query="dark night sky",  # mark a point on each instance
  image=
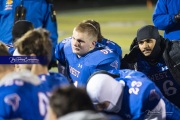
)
(73, 4)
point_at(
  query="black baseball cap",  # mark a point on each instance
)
(20, 28)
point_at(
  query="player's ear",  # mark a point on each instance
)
(94, 43)
(32, 54)
(16, 67)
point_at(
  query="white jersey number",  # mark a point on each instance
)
(135, 87)
(13, 100)
(43, 104)
(106, 51)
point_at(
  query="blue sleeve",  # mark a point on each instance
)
(59, 53)
(109, 64)
(2, 110)
(1, 118)
(84, 78)
(116, 48)
(119, 51)
(163, 16)
(1, 5)
(172, 112)
(52, 27)
(6, 20)
(56, 80)
(152, 97)
(112, 45)
(63, 80)
(37, 11)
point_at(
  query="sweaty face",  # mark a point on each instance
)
(82, 43)
(146, 46)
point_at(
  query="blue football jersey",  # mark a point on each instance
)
(79, 69)
(104, 43)
(52, 81)
(161, 76)
(113, 46)
(21, 97)
(141, 97)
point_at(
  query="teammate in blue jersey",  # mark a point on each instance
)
(103, 43)
(82, 57)
(149, 58)
(40, 12)
(131, 95)
(21, 96)
(39, 45)
(166, 17)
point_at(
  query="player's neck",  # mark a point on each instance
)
(90, 49)
(5, 72)
(38, 69)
